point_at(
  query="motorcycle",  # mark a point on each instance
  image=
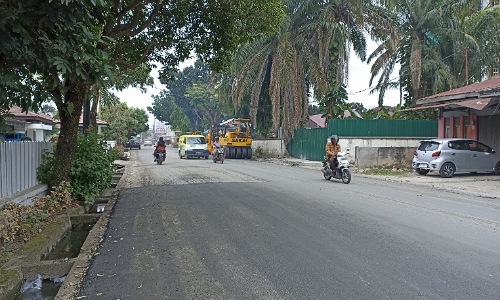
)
(160, 156)
(219, 155)
(342, 171)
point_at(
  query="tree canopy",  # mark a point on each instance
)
(60, 49)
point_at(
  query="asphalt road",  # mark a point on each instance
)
(192, 229)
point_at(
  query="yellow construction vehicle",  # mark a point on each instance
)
(234, 136)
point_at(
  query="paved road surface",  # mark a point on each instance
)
(192, 229)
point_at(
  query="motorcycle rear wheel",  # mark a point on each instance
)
(346, 176)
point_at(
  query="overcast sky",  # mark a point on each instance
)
(358, 89)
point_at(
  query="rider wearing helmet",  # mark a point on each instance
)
(216, 145)
(160, 146)
(332, 148)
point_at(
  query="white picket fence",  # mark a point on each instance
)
(18, 164)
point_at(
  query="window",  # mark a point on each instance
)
(457, 145)
(196, 140)
(479, 147)
(428, 146)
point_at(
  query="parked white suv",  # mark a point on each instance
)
(448, 156)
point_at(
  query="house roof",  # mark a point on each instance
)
(485, 89)
(18, 114)
(318, 119)
(99, 122)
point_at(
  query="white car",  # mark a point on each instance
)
(148, 143)
(451, 155)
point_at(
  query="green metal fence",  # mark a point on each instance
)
(309, 143)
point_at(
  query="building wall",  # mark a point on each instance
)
(399, 157)
(480, 125)
(489, 130)
(275, 148)
(270, 148)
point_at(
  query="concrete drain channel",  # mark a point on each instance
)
(46, 263)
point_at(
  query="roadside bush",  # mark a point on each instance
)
(21, 222)
(92, 169)
(117, 152)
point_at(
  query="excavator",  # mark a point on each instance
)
(234, 136)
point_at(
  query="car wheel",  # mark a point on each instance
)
(497, 168)
(422, 171)
(447, 170)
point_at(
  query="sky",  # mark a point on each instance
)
(357, 89)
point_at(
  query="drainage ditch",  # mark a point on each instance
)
(43, 272)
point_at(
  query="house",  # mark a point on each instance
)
(472, 111)
(34, 126)
(100, 125)
(318, 121)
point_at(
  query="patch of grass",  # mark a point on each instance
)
(6, 275)
(387, 171)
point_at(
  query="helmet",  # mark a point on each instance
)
(334, 137)
(161, 138)
(216, 138)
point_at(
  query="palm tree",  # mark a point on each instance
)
(309, 53)
(429, 45)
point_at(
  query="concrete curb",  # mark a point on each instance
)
(26, 196)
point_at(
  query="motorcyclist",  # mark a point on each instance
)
(332, 149)
(216, 145)
(160, 146)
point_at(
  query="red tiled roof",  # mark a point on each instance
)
(18, 113)
(469, 91)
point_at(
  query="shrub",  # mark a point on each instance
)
(117, 152)
(92, 168)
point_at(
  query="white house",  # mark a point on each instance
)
(35, 126)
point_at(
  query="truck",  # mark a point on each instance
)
(234, 136)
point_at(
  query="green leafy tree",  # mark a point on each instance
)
(198, 73)
(122, 123)
(165, 109)
(63, 48)
(206, 100)
(309, 51)
(430, 44)
(142, 119)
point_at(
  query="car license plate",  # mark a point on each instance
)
(422, 165)
(198, 152)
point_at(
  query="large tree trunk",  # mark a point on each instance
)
(70, 110)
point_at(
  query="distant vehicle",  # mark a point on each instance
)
(148, 143)
(193, 145)
(448, 156)
(133, 144)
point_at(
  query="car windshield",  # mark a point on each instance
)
(196, 140)
(428, 146)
